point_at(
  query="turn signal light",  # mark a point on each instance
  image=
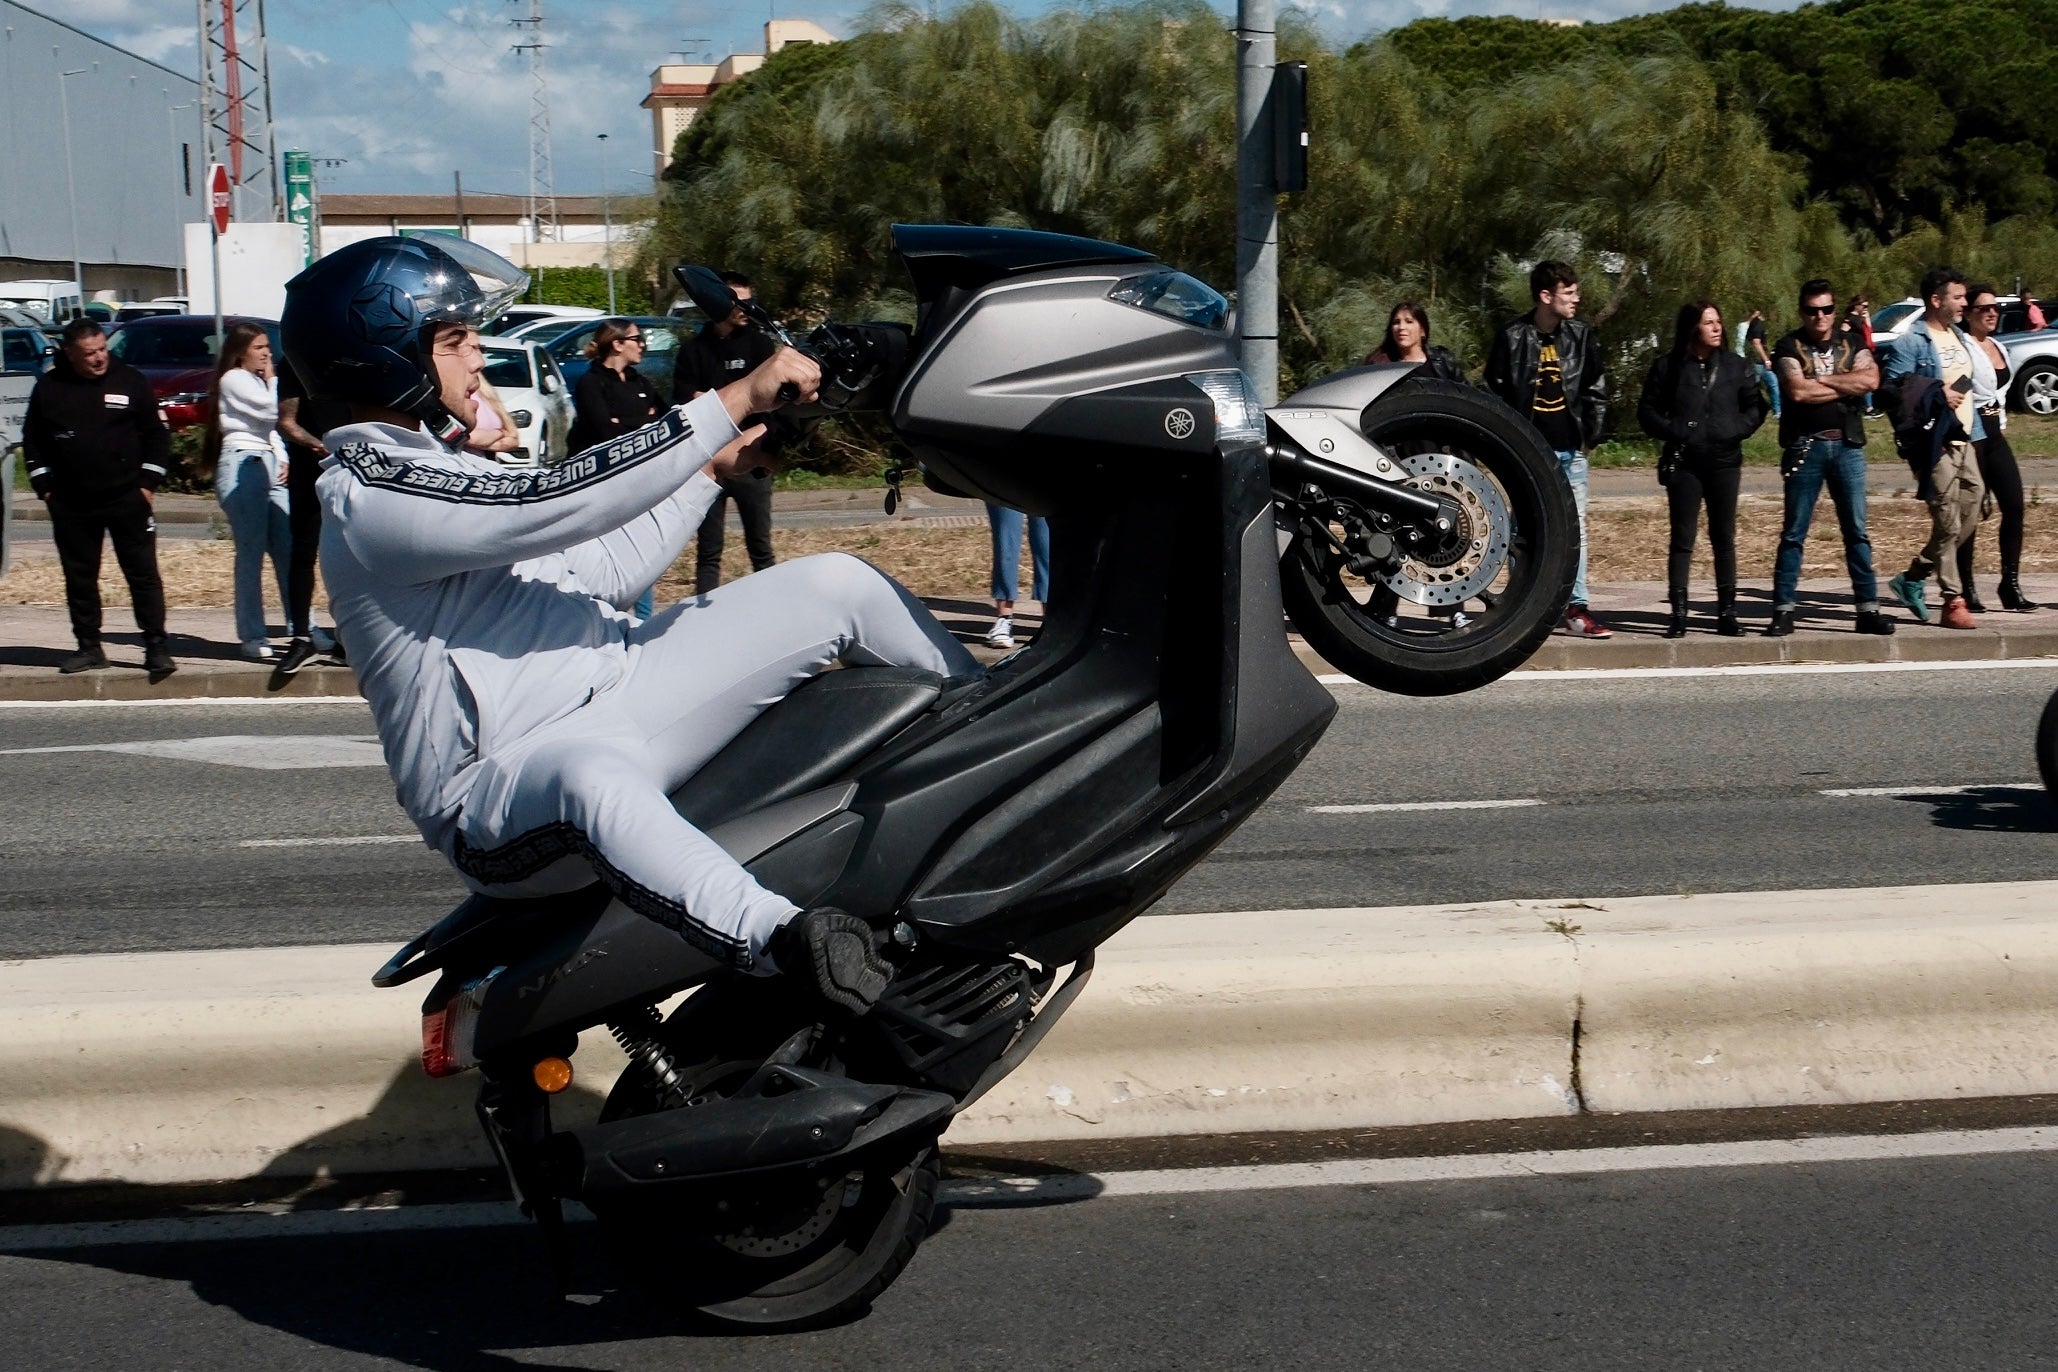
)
(551, 1075)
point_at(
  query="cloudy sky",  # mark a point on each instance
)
(409, 91)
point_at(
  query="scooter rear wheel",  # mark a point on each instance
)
(1489, 598)
(793, 1253)
(2047, 745)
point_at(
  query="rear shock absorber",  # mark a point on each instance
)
(638, 1038)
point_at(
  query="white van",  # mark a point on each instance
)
(56, 301)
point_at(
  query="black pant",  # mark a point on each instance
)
(304, 521)
(1693, 486)
(753, 496)
(79, 527)
(2004, 480)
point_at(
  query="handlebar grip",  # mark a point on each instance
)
(788, 392)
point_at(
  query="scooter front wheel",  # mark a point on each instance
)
(1457, 609)
(787, 1252)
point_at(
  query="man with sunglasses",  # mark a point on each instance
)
(1937, 348)
(1824, 376)
(727, 350)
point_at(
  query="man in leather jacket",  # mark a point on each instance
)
(1548, 365)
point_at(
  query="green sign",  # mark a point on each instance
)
(299, 168)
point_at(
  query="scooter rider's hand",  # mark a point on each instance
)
(741, 457)
(759, 391)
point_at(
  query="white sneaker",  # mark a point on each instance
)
(1002, 634)
(258, 650)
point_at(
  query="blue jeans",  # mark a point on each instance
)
(1574, 467)
(1841, 467)
(260, 522)
(1765, 374)
(1006, 525)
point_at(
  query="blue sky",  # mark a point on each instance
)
(410, 90)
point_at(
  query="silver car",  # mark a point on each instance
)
(537, 399)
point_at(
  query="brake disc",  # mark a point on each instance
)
(1464, 562)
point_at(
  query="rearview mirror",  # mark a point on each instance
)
(705, 288)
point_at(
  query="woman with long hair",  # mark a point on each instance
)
(1701, 402)
(249, 461)
(1407, 340)
(612, 398)
(1997, 466)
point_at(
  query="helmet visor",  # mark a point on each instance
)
(491, 283)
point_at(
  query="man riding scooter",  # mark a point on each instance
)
(533, 730)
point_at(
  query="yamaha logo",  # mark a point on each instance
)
(1179, 423)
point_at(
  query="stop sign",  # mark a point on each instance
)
(218, 196)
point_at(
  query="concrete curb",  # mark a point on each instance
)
(210, 1066)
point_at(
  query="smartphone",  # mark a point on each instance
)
(1962, 385)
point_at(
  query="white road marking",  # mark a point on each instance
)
(328, 842)
(1389, 807)
(1532, 677)
(259, 752)
(1896, 792)
(266, 1223)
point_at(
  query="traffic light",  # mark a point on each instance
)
(1290, 127)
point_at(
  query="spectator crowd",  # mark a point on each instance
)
(97, 449)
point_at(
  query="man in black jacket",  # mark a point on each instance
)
(728, 350)
(1548, 365)
(96, 450)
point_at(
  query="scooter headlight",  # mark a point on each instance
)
(1239, 417)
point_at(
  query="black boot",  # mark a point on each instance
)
(1676, 627)
(1725, 613)
(1972, 600)
(2012, 598)
(1782, 624)
(88, 658)
(157, 658)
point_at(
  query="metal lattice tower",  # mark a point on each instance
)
(236, 103)
(542, 175)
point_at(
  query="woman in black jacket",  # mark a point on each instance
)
(1407, 340)
(612, 398)
(1701, 402)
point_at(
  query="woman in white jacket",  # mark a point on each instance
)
(250, 477)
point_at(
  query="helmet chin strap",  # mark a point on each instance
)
(428, 406)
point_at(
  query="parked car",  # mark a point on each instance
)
(1891, 321)
(14, 317)
(541, 330)
(147, 309)
(519, 315)
(177, 353)
(2033, 364)
(25, 350)
(662, 336)
(537, 399)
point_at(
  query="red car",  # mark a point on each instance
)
(177, 353)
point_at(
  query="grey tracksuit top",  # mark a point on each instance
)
(478, 603)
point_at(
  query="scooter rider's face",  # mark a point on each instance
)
(459, 362)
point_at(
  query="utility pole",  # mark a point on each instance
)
(71, 185)
(457, 181)
(236, 104)
(1257, 205)
(607, 219)
(542, 175)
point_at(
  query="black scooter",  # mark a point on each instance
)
(761, 1164)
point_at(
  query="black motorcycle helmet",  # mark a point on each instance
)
(358, 322)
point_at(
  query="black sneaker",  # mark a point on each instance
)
(299, 653)
(157, 659)
(84, 660)
(1874, 622)
(836, 953)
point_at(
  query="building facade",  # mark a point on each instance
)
(136, 168)
(495, 221)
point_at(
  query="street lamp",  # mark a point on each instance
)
(171, 115)
(71, 186)
(607, 214)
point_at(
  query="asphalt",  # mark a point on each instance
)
(1649, 785)
(1860, 1265)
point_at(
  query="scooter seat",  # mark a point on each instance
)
(816, 735)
